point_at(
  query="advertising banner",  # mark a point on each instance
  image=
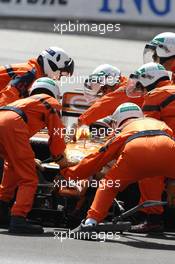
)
(142, 11)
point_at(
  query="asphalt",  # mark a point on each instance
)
(88, 52)
(49, 248)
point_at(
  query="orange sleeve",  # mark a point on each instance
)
(8, 95)
(151, 105)
(9, 71)
(106, 106)
(93, 163)
(4, 78)
(56, 131)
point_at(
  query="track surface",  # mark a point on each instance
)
(88, 52)
(128, 249)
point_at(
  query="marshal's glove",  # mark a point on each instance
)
(38, 164)
(83, 132)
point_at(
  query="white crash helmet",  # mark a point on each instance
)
(146, 77)
(55, 60)
(47, 84)
(125, 111)
(160, 48)
(104, 74)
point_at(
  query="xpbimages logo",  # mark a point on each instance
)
(79, 27)
(101, 132)
(86, 183)
(100, 236)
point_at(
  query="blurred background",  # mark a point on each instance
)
(93, 32)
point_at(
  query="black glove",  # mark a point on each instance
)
(22, 83)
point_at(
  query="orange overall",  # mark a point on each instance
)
(9, 94)
(107, 104)
(160, 103)
(19, 170)
(153, 189)
(136, 160)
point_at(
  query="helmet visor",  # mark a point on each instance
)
(91, 88)
(134, 88)
(69, 67)
(114, 125)
(150, 54)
